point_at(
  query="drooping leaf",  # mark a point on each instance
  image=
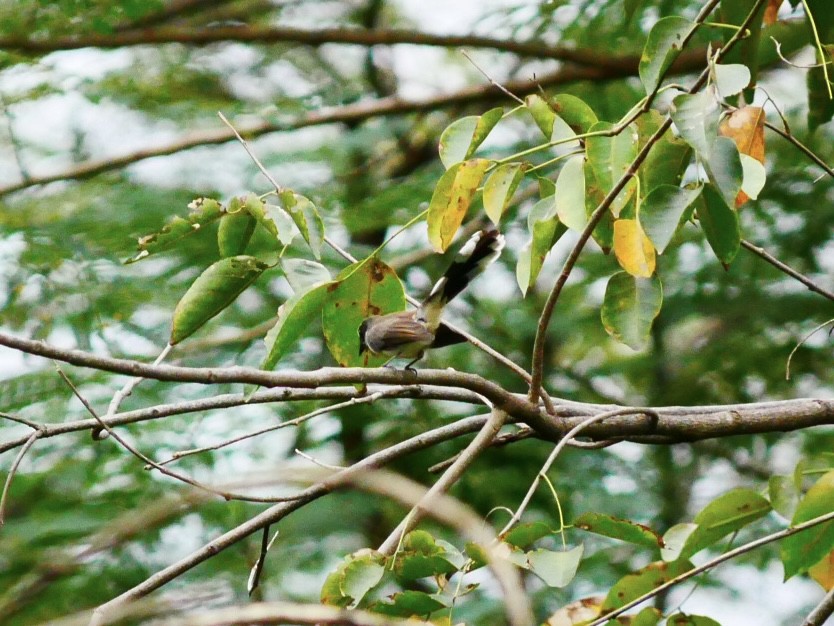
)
(293, 322)
(719, 223)
(542, 114)
(754, 178)
(420, 555)
(369, 287)
(202, 212)
(633, 249)
(274, 219)
(306, 217)
(745, 126)
(594, 195)
(234, 233)
(578, 115)
(642, 581)
(668, 158)
(462, 137)
(662, 212)
(214, 290)
(499, 189)
(675, 539)
(805, 549)
(724, 169)
(663, 45)
(616, 528)
(629, 308)
(524, 535)
(730, 79)
(302, 274)
(724, 515)
(696, 118)
(352, 580)
(545, 231)
(555, 567)
(451, 199)
(610, 157)
(570, 199)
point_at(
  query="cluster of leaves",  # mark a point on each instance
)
(430, 572)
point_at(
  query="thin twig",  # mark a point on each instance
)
(822, 611)
(802, 341)
(494, 82)
(787, 269)
(450, 477)
(801, 147)
(176, 456)
(12, 470)
(560, 446)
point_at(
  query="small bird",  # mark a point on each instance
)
(407, 334)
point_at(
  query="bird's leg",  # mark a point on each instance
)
(408, 367)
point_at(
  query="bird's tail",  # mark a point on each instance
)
(473, 258)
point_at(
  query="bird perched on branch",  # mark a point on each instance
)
(409, 333)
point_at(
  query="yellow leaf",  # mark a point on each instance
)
(823, 572)
(633, 249)
(745, 126)
(451, 199)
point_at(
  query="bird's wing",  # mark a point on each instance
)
(406, 331)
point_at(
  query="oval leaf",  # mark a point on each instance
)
(234, 233)
(633, 249)
(570, 200)
(462, 137)
(634, 585)
(730, 79)
(555, 568)
(542, 114)
(685, 619)
(724, 169)
(369, 288)
(499, 189)
(214, 290)
(306, 217)
(696, 118)
(451, 199)
(293, 322)
(724, 515)
(804, 550)
(303, 274)
(545, 230)
(610, 158)
(675, 539)
(663, 45)
(578, 115)
(621, 529)
(629, 307)
(662, 211)
(720, 225)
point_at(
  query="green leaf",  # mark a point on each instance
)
(410, 602)
(747, 50)
(525, 535)
(724, 515)
(720, 225)
(294, 318)
(820, 106)
(681, 619)
(662, 212)
(499, 189)
(576, 114)
(642, 581)
(755, 176)
(352, 580)
(570, 200)
(696, 118)
(594, 195)
(542, 114)
(668, 158)
(462, 137)
(274, 219)
(629, 308)
(203, 211)
(370, 287)
(674, 540)
(302, 274)
(724, 168)
(649, 616)
(421, 556)
(478, 554)
(663, 45)
(807, 548)
(451, 199)
(234, 233)
(545, 230)
(731, 79)
(555, 567)
(610, 158)
(306, 218)
(214, 290)
(783, 494)
(616, 528)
